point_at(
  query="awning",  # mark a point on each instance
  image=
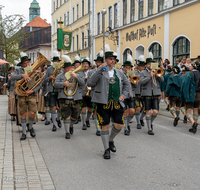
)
(2, 62)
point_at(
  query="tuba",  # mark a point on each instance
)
(22, 86)
(73, 83)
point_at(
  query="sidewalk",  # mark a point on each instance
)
(22, 166)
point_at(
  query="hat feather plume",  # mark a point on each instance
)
(101, 53)
(77, 58)
(55, 53)
(66, 58)
(107, 47)
(150, 55)
(129, 58)
(16, 62)
(141, 58)
(22, 54)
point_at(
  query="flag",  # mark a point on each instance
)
(64, 39)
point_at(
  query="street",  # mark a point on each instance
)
(167, 160)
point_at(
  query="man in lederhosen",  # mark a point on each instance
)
(111, 88)
(138, 98)
(28, 101)
(130, 100)
(98, 62)
(150, 93)
(52, 95)
(69, 103)
(86, 101)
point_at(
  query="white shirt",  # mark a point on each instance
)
(111, 72)
(86, 72)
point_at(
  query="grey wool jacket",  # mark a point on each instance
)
(138, 88)
(17, 75)
(59, 84)
(100, 80)
(148, 87)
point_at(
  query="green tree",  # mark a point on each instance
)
(11, 36)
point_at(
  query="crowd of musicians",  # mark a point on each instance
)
(74, 91)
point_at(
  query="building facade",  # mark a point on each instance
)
(167, 28)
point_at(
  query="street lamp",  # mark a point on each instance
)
(103, 12)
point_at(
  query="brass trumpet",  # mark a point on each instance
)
(159, 72)
(134, 79)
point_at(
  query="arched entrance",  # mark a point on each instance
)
(139, 50)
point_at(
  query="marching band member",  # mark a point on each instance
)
(28, 101)
(150, 93)
(111, 88)
(53, 94)
(138, 97)
(98, 62)
(129, 101)
(173, 92)
(69, 104)
(86, 101)
(191, 95)
(76, 64)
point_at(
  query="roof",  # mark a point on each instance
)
(34, 4)
(38, 22)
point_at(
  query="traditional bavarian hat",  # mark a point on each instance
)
(99, 57)
(56, 56)
(141, 61)
(68, 61)
(129, 61)
(150, 58)
(24, 57)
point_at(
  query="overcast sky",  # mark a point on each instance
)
(22, 7)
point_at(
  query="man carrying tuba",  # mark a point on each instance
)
(28, 101)
(69, 101)
(52, 99)
(150, 93)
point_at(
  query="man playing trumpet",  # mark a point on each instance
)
(150, 93)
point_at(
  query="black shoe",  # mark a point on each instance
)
(27, 125)
(13, 119)
(79, 118)
(47, 123)
(67, 136)
(43, 119)
(167, 108)
(84, 127)
(129, 129)
(88, 123)
(71, 130)
(150, 132)
(76, 122)
(138, 126)
(59, 123)
(142, 122)
(32, 132)
(194, 127)
(185, 119)
(191, 130)
(54, 128)
(107, 154)
(23, 137)
(112, 146)
(176, 121)
(98, 133)
(126, 132)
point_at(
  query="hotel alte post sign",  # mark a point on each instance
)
(141, 33)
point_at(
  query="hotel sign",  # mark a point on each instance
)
(141, 33)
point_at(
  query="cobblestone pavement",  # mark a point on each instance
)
(21, 163)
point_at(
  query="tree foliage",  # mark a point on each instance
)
(11, 36)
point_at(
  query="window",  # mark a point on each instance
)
(56, 24)
(161, 4)
(124, 12)
(73, 14)
(77, 47)
(98, 23)
(181, 49)
(54, 6)
(126, 52)
(73, 44)
(82, 7)
(54, 27)
(64, 19)
(132, 11)
(110, 17)
(176, 2)
(77, 11)
(150, 7)
(82, 40)
(156, 51)
(115, 16)
(88, 6)
(67, 18)
(141, 8)
(60, 2)
(88, 36)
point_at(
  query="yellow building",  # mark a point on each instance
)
(75, 15)
(167, 28)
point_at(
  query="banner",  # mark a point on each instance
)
(64, 39)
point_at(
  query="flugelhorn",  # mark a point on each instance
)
(159, 72)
